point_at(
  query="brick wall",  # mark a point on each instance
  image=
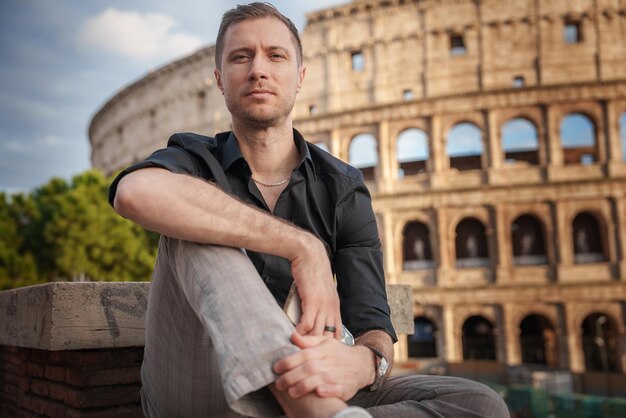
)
(67, 384)
(74, 349)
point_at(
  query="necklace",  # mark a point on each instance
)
(280, 183)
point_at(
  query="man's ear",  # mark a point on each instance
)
(301, 73)
(218, 79)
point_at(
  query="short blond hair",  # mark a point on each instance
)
(254, 10)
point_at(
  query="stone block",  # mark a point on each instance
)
(400, 298)
(69, 316)
(40, 387)
(126, 411)
(55, 373)
(105, 377)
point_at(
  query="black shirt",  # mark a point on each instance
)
(324, 196)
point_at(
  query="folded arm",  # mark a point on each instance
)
(325, 366)
(191, 209)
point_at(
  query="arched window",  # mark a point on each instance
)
(622, 134)
(587, 235)
(600, 343)
(464, 146)
(519, 141)
(322, 145)
(416, 247)
(364, 154)
(471, 244)
(478, 339)
(423, 342)
(528, 241)
(538, 341)
(578, 139)
(412, 148)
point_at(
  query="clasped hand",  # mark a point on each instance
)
(324, 366)
(320, 303)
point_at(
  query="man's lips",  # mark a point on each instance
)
(259, 93)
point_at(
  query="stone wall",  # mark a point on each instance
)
(405, 48)
(71, 384)
(70, 350)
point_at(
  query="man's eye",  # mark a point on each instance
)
(240, 57)
(278, 56)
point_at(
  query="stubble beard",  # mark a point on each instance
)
(260, 116)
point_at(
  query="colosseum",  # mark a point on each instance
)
(492, 135)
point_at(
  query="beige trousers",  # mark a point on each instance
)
(213, 332)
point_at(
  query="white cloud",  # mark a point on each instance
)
(50, 141)
(15, 146)
(137, 35)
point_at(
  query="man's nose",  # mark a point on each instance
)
(258, 68)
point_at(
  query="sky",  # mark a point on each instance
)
(61, 60)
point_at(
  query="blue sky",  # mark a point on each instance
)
(60, 60)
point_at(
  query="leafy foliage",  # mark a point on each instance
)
(68, 231)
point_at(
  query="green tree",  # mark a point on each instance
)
(35, 212)
(16, 268)
(89, 240)
(68, 231)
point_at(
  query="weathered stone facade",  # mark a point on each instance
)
(520, 250)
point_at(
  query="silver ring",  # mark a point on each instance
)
(329, 328)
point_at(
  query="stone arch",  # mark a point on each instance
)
(528, 239)
(423, 342)
(478, 339)
(520, 141)
(363, 154)
(412, 152)
(515, 317)
(401, 221)
(464, 146)
(538, 340)
(578, 138)
(600, 342)
(473, 118)
(470, 243)
(416, 246)
(588, 232)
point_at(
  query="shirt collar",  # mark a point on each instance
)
(232, 152)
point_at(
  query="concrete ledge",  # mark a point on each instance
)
(69, 316)
(95, 315)
(400, 298)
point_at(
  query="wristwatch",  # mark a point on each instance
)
(381, 369)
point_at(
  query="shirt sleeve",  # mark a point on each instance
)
(173, 158)
(359, 267)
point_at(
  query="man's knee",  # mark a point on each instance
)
(449, 396)
(483, 400)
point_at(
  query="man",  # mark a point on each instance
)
(244, 215)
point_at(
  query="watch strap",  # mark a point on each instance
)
(380, 374)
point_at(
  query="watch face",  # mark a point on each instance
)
(382, 367)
